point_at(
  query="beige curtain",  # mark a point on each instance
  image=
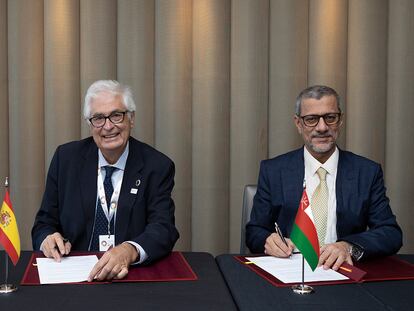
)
(215, 83)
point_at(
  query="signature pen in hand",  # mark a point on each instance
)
(279, 232)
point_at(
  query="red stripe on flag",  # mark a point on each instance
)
(8, 247)
(308, 228)
(7, 199)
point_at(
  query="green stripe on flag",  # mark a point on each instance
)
(303, 244)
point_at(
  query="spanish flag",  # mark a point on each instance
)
(9, 234)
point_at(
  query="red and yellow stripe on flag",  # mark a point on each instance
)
(9, 234)
(304, 234)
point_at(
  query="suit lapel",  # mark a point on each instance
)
(132, 179)
(346, 187)
(88, 176)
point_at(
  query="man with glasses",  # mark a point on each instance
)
(108, 192)
(349, 205)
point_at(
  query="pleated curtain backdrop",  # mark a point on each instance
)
(215, 83)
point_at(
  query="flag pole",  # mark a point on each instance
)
(303, 271)
(302, 288)
(7, 288)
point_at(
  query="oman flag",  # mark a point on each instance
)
(9, 235)
(304, 234)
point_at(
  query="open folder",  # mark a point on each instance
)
(381, 269)
(173, 267)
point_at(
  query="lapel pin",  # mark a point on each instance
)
(138, 182)
(134, 190)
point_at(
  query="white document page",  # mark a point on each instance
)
(70, 269)
(289, 270)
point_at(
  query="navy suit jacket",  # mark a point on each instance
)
(364, 216)
(69, 201)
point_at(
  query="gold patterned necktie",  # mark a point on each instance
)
(320, 206)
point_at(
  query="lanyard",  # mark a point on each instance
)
(109, 213)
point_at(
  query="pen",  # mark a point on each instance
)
(65, 240)
(280, 234)
(345, 269)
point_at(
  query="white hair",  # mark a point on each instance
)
(108, 86)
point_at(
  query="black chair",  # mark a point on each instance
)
(248, 195)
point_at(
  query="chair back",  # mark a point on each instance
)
(248, 195)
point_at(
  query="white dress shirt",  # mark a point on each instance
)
(117, 176)
(312, 181)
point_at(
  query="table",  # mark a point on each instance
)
(251, 292)
(209, 292)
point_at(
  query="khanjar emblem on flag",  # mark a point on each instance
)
(304, 234)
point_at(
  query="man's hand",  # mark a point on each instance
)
(274, 246)
(114, 263)
(334, 255)
(55, 246)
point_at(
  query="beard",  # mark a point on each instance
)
(322, 148)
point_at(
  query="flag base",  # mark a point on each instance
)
(7, 288)
(303, 289)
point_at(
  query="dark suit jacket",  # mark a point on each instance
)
(364, 216)
(69, 201)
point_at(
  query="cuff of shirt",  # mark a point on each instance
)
(142, 254)
(41, 246)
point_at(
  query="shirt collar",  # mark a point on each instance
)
(120, 164)
(330, 165)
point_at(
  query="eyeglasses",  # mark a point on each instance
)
(115, 117)
(312, 120)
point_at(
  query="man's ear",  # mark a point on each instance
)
(298, 125)
(342, 119)
(132, 119)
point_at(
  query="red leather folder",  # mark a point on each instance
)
(381, 269)
(173, 267)
(353, 272)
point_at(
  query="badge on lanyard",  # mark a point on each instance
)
(106, 242)
(111, 211)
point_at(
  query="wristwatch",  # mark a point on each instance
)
(356, 252)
